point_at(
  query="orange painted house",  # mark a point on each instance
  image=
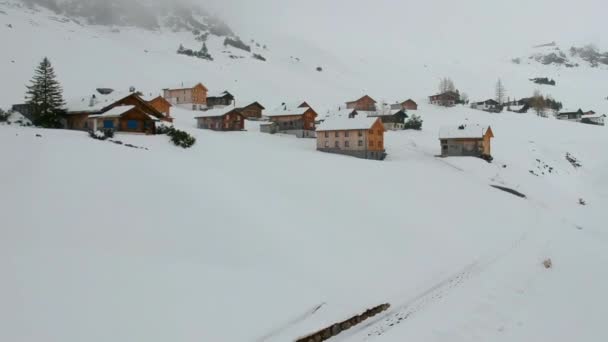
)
(364, 103)
(192, 97)
(163, 106)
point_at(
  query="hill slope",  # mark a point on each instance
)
(253, 237)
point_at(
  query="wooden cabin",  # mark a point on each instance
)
(252, 111)
(408, 104)
(447, 99)
(571, 115)
(297, 119)
(124, 118)
(194, 97)
(223, 99)
(220, 119)
(79, 109)
(392, 120)
(163, 106)
(466, 140)
(489, 105)
(361, 137)
(364, 103)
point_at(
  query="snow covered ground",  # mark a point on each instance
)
(255, 237)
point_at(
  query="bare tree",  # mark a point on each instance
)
(446, 84)
(501, 92)
(538, 103)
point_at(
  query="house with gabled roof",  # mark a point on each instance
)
(161, 104)
(361, 137)
(194, 97)
(364, 103)
(79, 109)
(124, 118)
(593, 118)
(392, 119)
(296, 118)
(221, 119)
(223, 99)
(489, 105)
(252, 110)
(408, 104)
(466, 140)
(447, 99)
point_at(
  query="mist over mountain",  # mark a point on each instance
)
(148, 14)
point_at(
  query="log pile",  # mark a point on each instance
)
(335, 329)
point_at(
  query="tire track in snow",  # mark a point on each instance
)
(291, 323)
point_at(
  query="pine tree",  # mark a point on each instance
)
(44, 95)
(500, 92)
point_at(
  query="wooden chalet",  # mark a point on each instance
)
(361, 137)
(448, 99)
(408, 104)
(297, 119)
(392, 120)
(220, 119)
(489, 105)
(252, 110)
(79, 110)
(223, 99)
(194, 97)
(364, 103)
(571, 115)
(124, 118)
(466, 140)
(162, 105)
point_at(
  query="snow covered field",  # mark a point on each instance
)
(255, 237)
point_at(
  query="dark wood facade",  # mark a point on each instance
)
(224, 99)
(364, 103)
(230, 121)
(134, 120)
(253, 110)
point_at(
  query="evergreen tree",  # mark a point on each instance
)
(44, 95)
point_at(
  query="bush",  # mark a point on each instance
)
(4, 115)
(319, 69)
(415, 122)
(179, 138)
(102, 134)
(259, 57)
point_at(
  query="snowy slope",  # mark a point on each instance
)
(254, 237)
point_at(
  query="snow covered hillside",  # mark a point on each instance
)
(256, 237)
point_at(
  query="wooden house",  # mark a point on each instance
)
(364, 103)
(223, 99)
(408, 104)
(221, 119)
(571, 115)
(594, 119)
(194, 97)
(124, 118)
(489, 105)
(361, 137)
(297, 119)
(392, 120)
(252, 111)
(466, 140)
(161, 105)
(78, 110)
(447, 99)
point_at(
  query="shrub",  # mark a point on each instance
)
(415, 122)
(319, 69)
(259, 57)
(179, 138)
(102, 134)
(4, 115)
(548, 263)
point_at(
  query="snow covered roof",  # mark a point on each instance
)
(462, 132)
(221, 94)
(95, 102)
(288, 109)
(593, 116)
(345, 124)
(114, 112)
(391, 112)
(215, 112)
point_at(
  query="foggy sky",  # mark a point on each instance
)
(474, 22)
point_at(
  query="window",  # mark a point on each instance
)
(347, 143)
(371, 143)
(337, 134)
(360, 142)
(132, 124)
(346, 134)
(371, 131)
(108, 124)
(327, 144)
(360, 133)
(379, 132)
(337, 144)
(327, 134)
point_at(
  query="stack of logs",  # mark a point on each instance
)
(335, 329)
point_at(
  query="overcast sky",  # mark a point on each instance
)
(477, 22)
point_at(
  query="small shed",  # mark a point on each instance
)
(466, 140)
